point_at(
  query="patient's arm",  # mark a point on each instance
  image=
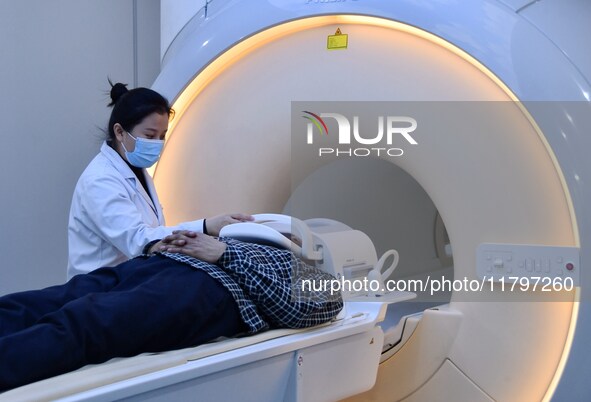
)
(197, 245)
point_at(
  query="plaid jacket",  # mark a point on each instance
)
(266, 283)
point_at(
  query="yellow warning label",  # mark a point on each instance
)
(337, 41)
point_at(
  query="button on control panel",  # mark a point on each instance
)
(501, 261)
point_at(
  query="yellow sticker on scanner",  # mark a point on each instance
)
(337, 41)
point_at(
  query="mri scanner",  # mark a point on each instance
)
(505, 197)
(235, 75)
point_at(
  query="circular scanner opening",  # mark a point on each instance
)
(231, 152)
(382, 200)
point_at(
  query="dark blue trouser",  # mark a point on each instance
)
(142, 305)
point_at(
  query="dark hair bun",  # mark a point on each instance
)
(117, 91)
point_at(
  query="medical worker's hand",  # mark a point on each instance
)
(198, 245)
(216, 223)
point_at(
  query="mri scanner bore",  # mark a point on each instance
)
(483, 80)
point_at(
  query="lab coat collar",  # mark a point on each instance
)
(125, 171)
(117, 161)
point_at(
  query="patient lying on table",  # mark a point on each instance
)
(195, 289)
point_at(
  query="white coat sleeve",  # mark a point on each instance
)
(117, 219)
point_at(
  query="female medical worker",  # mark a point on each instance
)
(115, 210)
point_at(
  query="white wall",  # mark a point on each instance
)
(56, 56)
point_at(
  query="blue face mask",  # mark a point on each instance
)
(146, 152)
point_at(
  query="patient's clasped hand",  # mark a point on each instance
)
(195, 289)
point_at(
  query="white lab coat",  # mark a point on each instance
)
(112, 217)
